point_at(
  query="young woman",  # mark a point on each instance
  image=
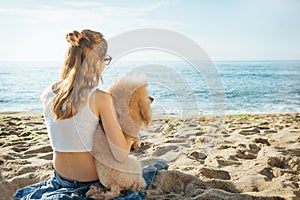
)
(72, 109)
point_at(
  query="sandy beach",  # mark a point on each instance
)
(229, 157)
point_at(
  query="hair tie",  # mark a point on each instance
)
(74, 38)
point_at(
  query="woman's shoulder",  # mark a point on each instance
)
(103, 100)
(103, 96)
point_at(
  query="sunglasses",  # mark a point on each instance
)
(107, 60)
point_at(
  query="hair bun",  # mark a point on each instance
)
(74, 38)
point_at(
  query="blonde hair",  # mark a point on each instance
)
(80, 72)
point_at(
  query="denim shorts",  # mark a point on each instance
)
(58, 187)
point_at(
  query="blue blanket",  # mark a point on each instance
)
(60, 188)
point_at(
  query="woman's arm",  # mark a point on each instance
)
(119, 144)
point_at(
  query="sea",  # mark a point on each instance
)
(178, 87)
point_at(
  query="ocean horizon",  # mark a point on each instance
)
(248, 86)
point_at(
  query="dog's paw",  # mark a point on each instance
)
(139, 186)
(95, 192)
(92, 191)
(143, 186)
(113, 193)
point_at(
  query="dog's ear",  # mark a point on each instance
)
(145, 110)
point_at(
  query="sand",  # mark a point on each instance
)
(230, 157)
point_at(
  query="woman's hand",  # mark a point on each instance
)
(129, 138)
(132, 140)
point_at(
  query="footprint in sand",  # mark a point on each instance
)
(215, 173)
(144, 147)
(43, 151)
(172, 181)
(14, 143)
(39, 149)
(267, 171)
(199, 156)
(249, 151)
(46, 156)
(162, 150)
(19, 149)
(11, 156)
(262, 141)
(220, 161)
(250, 131)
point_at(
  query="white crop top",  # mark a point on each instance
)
(74, 134)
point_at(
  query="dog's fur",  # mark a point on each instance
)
(132, 106)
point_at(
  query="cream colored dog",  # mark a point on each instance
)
(132, 105)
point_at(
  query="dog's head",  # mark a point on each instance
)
(132, 102)
(139, 106)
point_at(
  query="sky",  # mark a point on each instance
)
(225, 29)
